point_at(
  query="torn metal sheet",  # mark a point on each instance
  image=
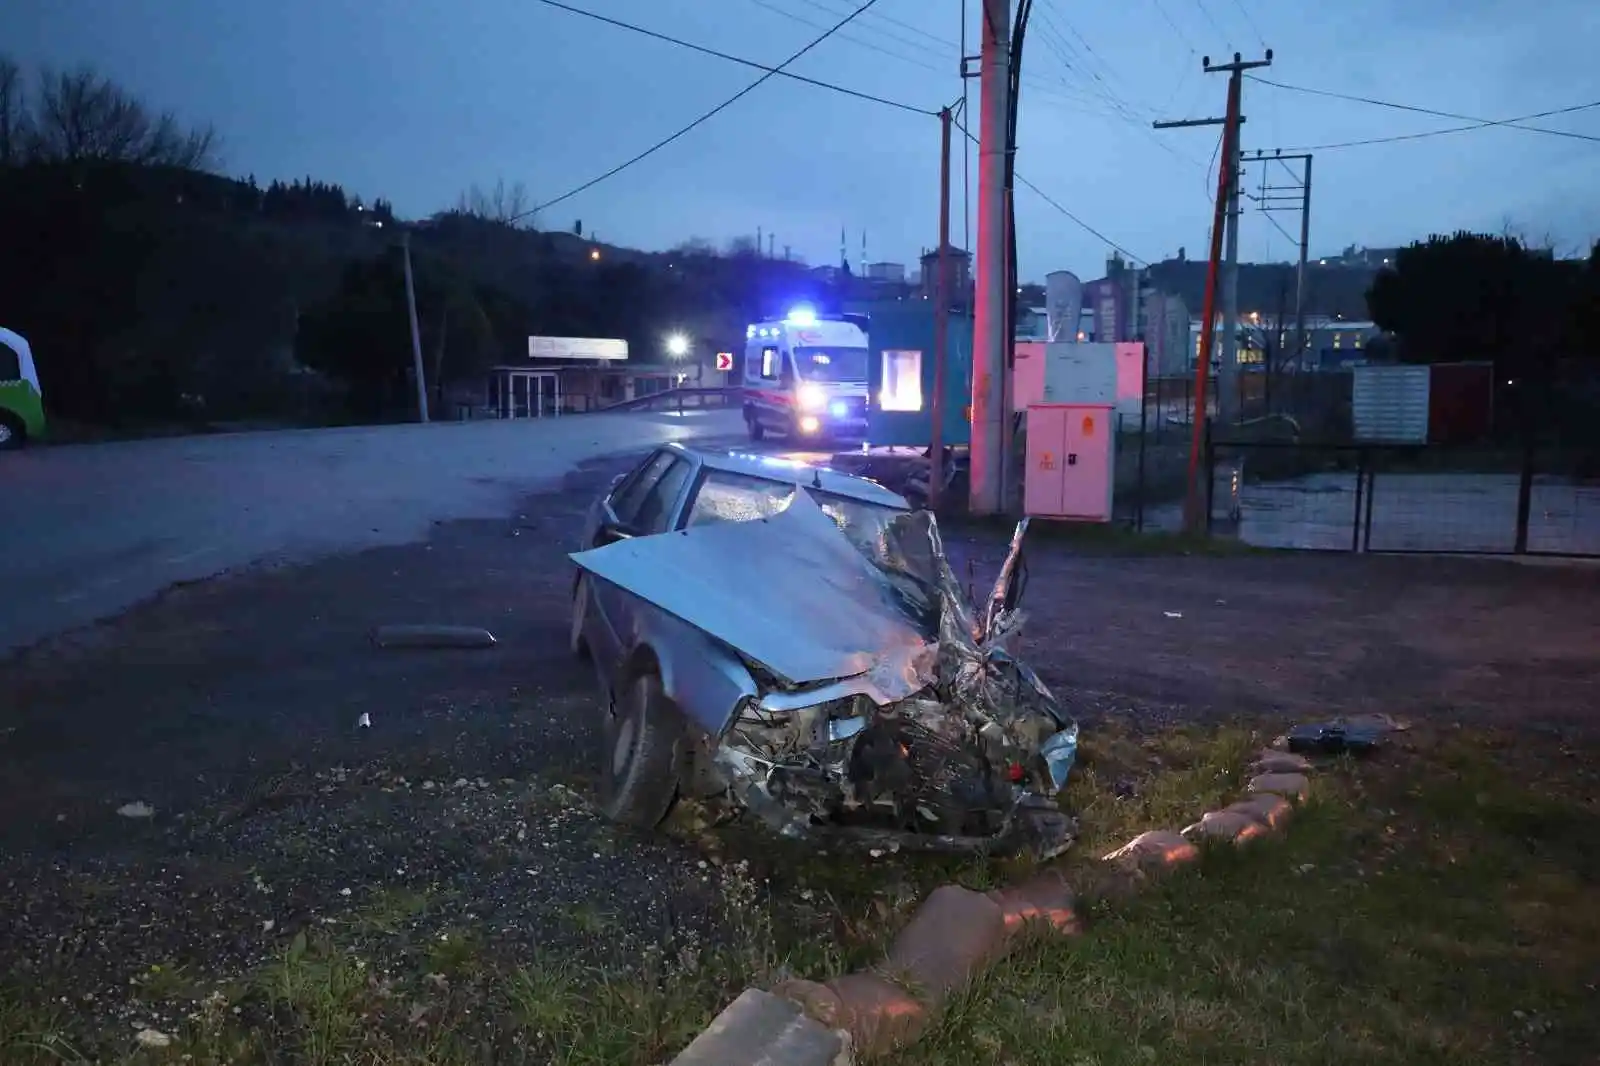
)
(886, 706)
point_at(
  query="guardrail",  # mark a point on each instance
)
(680, 398)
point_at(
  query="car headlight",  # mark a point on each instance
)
(812, 398)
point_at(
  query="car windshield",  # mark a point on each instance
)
(728, 497)
(848, 365)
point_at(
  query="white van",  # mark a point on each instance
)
(805, 377)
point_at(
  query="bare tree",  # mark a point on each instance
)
(80, 116)
(14, 123)
(509, 205)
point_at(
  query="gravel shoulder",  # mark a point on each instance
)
(454, 833)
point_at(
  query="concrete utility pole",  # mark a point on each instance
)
(941, 317)
(1276, 198)
(1228, 373)
(416, 334)
(992, 266)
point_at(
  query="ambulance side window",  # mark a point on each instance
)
(771, 359)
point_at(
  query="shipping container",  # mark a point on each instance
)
(1460, 402)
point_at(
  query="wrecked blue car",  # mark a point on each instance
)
(794, 638)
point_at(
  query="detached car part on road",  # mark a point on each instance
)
(796, 637)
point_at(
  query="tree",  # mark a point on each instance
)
(361, 335)
(14, 123)
(507, 205)
(1454, 298)
(82, 117)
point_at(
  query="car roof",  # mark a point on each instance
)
(777, 468)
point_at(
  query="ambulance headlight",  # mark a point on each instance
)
(812, 398)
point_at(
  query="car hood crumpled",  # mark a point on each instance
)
(790, 592)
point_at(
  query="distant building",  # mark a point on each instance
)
(1361, 258)
(1033, 323)
(892, 272)
(1331, 343)
(959, 265)
(1164, 324)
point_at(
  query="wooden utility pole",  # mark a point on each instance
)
(1194, 516)
(941, 317)
(1228, 372)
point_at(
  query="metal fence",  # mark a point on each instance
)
(1477, 500)
(1285, 472)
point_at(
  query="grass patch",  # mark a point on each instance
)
(1431, 905)
(1428, 906)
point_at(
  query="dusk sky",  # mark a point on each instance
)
(416, 101)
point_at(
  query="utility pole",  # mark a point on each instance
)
(416, 334)
(1275, 198)
(772, 241)
(1228, 373)
(989, 320)
(1194, 515)
(941, 317)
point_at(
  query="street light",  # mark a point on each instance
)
(677, 345)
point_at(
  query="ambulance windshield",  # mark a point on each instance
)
(841, 365)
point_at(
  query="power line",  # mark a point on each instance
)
(891, 20)
(703, 50)
(1064, 92)
(1184, 37)
(1452, 129)
(1047, 198)
(1512, 122)
(729, 102)
(1255, 29)
(1206, 11)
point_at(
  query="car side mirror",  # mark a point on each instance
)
(612, 532)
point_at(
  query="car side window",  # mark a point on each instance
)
(655, 513)
(625, 502)
(10, 363)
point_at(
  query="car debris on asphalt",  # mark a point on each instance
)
(432, 636)
(880, 705)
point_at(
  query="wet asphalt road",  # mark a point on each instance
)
(90, 530)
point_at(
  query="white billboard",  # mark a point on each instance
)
(576, 348)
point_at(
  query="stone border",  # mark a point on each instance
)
(956, 934)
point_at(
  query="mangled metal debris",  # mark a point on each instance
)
(873, 701)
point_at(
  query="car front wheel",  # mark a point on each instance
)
(644, 750)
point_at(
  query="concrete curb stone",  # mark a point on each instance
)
(1232, 827)
(955, 934)
(759, 1027)
(1294, 787)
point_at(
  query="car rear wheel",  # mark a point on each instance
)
(644, 750)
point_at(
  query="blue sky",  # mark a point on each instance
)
(417, 100)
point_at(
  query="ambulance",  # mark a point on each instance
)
(805, 377)
(21, 401)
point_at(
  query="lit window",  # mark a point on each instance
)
(1338, 338)
(1357, 341)
(902, 381)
